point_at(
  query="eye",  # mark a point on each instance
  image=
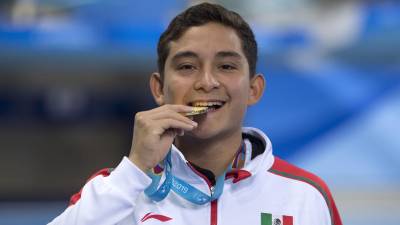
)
(186, 67)
(227, 67)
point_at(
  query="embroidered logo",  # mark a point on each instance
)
(159, 217)
(270, 219)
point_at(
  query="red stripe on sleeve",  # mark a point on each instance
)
(285, 169)
(75, 197)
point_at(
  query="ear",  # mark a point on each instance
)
(156, 87)
(257, 85)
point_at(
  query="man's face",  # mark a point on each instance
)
(207, 66)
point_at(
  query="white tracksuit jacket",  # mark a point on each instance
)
(266, 191)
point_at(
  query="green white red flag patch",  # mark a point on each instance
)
(270, 219)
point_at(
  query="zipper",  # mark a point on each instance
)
(214, 203)
(212, 190)
(214, 212)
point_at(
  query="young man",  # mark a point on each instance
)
(191, 161)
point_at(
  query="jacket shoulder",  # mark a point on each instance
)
(103, 172)
(285, 169)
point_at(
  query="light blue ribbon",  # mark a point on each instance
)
(181, 187)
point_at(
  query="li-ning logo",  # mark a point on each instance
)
(159, 217)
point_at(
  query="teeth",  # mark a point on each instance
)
(205, 104)
(202, 107)
(197, 110)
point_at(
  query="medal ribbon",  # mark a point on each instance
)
(181, 187)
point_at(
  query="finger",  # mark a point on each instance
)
(147, 118)
(166, 124)
(180, 132)
(187, 111)
(174, 132)
(175, 107)
(170, 132)
(171, 115)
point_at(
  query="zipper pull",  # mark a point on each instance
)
(212, 190)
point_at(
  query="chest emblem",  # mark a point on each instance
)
(155, 216)
(270, 219)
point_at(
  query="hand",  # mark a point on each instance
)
(154, 133)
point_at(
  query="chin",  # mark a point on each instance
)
(202, 134)
(205, 133)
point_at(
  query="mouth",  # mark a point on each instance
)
(210, 105)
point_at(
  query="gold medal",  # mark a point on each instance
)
(196, 111)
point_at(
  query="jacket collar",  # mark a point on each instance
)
(181, 167)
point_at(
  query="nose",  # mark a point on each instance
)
(206, 81)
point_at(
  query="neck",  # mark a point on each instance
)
(214, 154)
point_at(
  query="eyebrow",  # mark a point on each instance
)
(191, 54)
(184, 54)
(224, 54)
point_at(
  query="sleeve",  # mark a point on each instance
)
(319, 210)
(323, 208)
(106, 199)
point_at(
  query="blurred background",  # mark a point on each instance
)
(74, 72)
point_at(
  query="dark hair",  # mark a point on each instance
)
(205, 13)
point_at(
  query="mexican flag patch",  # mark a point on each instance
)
(269, 219)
